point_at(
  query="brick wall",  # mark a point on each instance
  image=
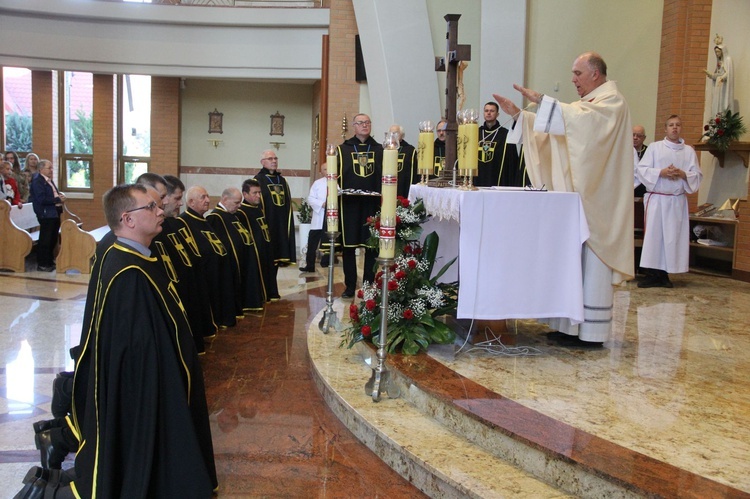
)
(44, 111)
(165, 125)
(343, 90)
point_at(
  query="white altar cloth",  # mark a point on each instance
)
(519, 251)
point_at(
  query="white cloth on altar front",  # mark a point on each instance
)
(666, 241)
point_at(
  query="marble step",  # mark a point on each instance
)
(435, 459)
(454, 438)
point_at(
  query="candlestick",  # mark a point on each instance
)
(426, 148)
(388, 194)
(332, 200)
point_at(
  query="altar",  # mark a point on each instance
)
(519, 251)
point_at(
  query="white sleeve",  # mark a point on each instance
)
(549, 118)
(515, 133)
(636, 182)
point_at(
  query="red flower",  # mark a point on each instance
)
(705, 128)
(417, 251)
(400, 275)
(370, 304)
(405, 202)
(392, 268)
(360, 294)
(408, 314)
(412, 264)
(370, 220)
(719, 132)
(366, 331)
(718, 120)
(377, 224)
(353, 308)
(392, 285)
(407, 249)
(398, 219)
(379, 275)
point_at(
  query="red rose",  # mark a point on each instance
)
(412, 264)
(377, 224)
(370, 304)
(400, 275)
(705, 128)
(398, 219)
(408, 314)
(392, 268)
(417, 251)
(407, 250)
(405, 202)
(379, 274)
(366, 331)
(392, 285)
(718, 120)
(360, 294)
(720, 132)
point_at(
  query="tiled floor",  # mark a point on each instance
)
(673, 382)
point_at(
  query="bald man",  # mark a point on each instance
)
(276, 200)
(213, 259)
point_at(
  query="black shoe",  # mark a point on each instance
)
(348, 293)
(655, 283)
(43, 268)
(48, 424)
(34, 483)
(307, 269)
(52, 448)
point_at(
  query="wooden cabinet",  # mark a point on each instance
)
(711, 259)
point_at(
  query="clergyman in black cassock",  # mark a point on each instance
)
(499, 162)
(407, 163)
(256, 220)
(277, 205)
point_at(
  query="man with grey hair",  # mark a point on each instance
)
(586, 147)
(276, 200)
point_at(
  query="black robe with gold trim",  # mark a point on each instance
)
(214, 265)
(360, 166)
(407, 168)
(145, 431)
(236, 238)
(276, 199)
(499, 162)
(262, 237)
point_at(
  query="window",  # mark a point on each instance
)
(76, 130)
(17, 105)
(135, 126)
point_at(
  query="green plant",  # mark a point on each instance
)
(304, 211)
(723, 129)
(18, 132)
(415, 301)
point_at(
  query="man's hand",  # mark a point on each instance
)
(529, 94)
(506, 105)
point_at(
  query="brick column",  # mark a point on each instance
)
(343, 90)
(44, 114)
(165, 125)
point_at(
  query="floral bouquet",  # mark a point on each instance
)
(724, 129)
(414, 302)
(409, 220)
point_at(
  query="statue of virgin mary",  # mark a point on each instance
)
(722, 91)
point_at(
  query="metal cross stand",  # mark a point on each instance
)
(381, 381)
(329, 321)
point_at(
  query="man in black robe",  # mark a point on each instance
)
(499, 163)
(235, 237)
(360, 167)
(212, 257)
(407, 163)
(438, 164)
(145, 430)
(261, 254)
(277, 205)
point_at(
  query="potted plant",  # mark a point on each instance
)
(304, 217)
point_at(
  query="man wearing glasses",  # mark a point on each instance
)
(276, 200)
(142, 364)
(360, 162)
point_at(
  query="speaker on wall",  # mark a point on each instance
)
(359, 62)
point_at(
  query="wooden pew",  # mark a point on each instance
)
(77, 247)
(15, 241)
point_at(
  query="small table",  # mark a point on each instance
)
(519, 251)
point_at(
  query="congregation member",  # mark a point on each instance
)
(31, 167)
(235, 237)
(317, 201)
(669, 170)
(360, 162)
(639, 136)
(24, 185)
(276, 199)
(256, 220)
(211, 256)
(8, 186)
(407, 163)
(48, 206)
(138, 373)
(593, 157)
(499, 162)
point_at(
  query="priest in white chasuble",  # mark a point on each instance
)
(586, 147)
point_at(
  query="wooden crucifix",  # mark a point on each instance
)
(455, 54)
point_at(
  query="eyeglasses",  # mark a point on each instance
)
(274, 158)
(639, 135)
(362, 123)
(150, 207)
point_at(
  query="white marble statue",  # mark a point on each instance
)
(722, 90)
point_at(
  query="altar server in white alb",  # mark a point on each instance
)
(669, 170)
(586, 147)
